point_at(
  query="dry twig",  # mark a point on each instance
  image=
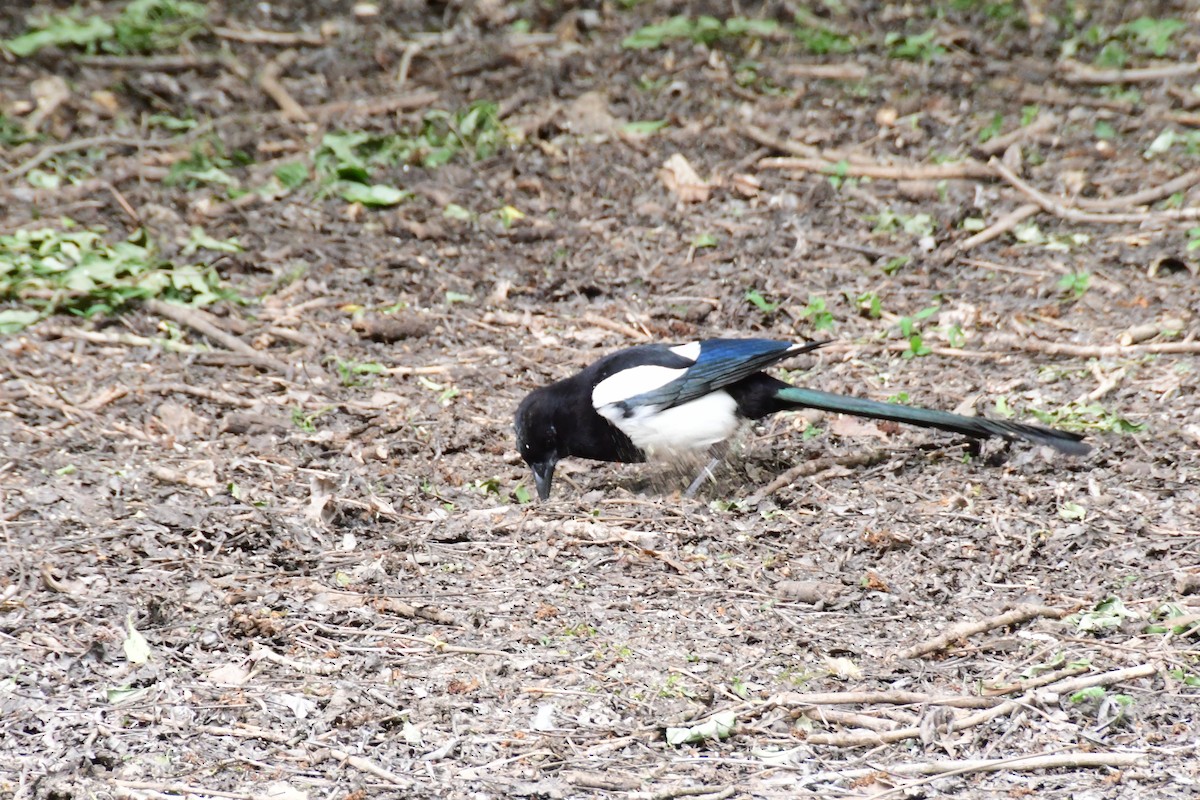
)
(998, 228)
(268, 81)
(1022, 613)
(969, 168)
(1075, 72)
(199, 322)
(1056, 208)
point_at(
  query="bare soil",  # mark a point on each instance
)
(340, 591)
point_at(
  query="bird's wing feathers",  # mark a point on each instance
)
(671, 376)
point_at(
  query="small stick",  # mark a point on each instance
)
(1103, 351)
(831, 72)
(809, 468)
(49, 151)
(1183, 182)
(371, 768)
(616, 327)
(1042, 124)
(1022, 613)
(1056, 208)
(998, 228)
(895, 697)
(1074, 72)
(281, 38)
(969, 168)
(942, 769)
(196, 320)
(268, 81)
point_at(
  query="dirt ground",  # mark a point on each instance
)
(283, 547)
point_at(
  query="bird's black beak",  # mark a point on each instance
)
(543, 476)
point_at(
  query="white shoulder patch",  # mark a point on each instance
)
(631, 382)
(690, 351)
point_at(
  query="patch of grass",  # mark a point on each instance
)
(143, 26)
(910, 330)
(1087, 417)
(869, 305)
(818, 38)
(914, 47)
(992, 129)
(346, 160)
(757, 300)
(44, 271)
(889, 221)
(1075, 284)
(356, 373)
(1153, 35)
(817, 314)
(1193, 239)
(206, 166)
(703, 29)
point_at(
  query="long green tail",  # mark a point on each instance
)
(978, 427)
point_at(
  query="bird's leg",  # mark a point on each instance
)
(706, 472)
(719, 451)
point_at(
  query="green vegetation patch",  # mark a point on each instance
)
(44, 271)
(143, 26)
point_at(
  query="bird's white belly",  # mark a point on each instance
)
(681, 430)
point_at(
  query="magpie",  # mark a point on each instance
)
(662, 401)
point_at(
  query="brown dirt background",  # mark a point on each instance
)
(361, 607)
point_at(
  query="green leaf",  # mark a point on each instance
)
(455, 211)
(509, 215)
(704, 240)
(644, 127)
(377, 194)
(199, 240)
(760, 302)
(13, 320)
(58, 31)
(1109, 613)
(718, 726)
(292, 175)
(1090, 693)
(1154, 34)
(137, 649)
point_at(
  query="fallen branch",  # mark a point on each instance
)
(268, 81)
(998, 228)
(367, 766)
(1022, 613)
(1056, 208)
(197, 321)
(894, 697)
(1017, 764)
(1182, 183)
(831, 72)
(281, 38)
(1043, 124)
(942, 769)
(1074, 72)
(171, 790)
(869, 738)
(52, 150)
(809, 468)
(1103, 350)
(697, 792)
(1033, 683)
(969, 168)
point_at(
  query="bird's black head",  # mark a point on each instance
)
(537, 439)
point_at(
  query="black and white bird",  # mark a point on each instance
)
(666, 402)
